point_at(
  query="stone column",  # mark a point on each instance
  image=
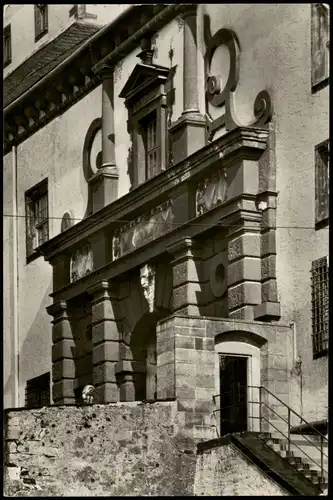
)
(104, 183)
(185, 277)
(63, 367)
(105, 343)
(188, 132)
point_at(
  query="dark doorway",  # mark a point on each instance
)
(233, 394)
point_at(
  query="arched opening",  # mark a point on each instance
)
(237, 373)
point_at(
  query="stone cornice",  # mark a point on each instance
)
(240, 143)
(76, 78)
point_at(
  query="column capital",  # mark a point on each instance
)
(99, 289)
(57, 309)
(106, 72)
(185, 247)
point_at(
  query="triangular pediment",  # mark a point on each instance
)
(142, 76)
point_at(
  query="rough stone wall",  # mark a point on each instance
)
(225, 471)
(106, 450)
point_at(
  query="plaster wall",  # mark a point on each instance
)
(276, 55)
(22, 20)
(8, 283)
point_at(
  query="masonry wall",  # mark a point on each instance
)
(225, 471)
(130, 449)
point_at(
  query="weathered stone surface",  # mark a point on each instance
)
(244, 294)
(107, 351)
(268, 243)
(107, 330)
(244, 245)
(246, 269)
(268, 267)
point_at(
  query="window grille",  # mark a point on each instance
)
(7, 46)
(319, 278)
(37, 392)
(37, 218)
(41, 21)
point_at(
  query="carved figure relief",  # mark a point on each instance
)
(218, 94)
(211, 192)
(67, 221)
(88, 394)
(147, 280)
(144, 229)
(81, 263)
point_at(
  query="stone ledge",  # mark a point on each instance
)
(267, 310)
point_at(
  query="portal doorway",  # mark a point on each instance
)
(233, 393)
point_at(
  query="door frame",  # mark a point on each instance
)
(242, 349)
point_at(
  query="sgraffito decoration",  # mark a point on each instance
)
(147, 280)
(143, 230)
(219, 95)
(211, 192)
(81, 263)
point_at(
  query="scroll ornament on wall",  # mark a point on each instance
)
(218, 95)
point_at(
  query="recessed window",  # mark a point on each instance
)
(319, 45)
(7, 46)
(322, 185)
(319, 283)
(41, 21)
(37, 392)
(150, 140)
(37, 218)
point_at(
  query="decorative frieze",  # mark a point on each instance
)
(143, 230)
(211, 192)
(81, 263)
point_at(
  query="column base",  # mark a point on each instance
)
(104, 186)
(188, 135)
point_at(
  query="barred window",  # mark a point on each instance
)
(319, 278)
(41, 21)
(37, 218)
(37, 392)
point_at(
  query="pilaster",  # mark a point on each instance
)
(63, 364)
(105, 343)
(186, 286)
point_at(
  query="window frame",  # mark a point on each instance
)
(32, 225)
(321, 150)
(7, 35)
(41, 14)
(38, 385)
(319, 306)
(319, 82)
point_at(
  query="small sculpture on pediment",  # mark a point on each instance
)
(147, 280)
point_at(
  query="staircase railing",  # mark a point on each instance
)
(262, 418)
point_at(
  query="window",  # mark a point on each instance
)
(37, 392)
(7, 46)
(145, 100)
(319, 45)
(37, 218)
(41, 21)
(319, 278)
(322, 184)
(150, 130)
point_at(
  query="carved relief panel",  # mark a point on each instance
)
(81, 263)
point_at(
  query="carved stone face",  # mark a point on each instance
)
(147, 280)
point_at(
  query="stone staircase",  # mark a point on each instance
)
(303, 456)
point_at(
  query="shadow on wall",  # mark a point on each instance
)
(35, 356)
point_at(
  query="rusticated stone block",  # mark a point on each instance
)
(104, 372)
(269, 291)
(107, 351)
(267, 310)
(246, 245)
(125, 352)
(246, 269)
(185, 295)
(65, 368)
(64, 389)
(105, 331)
(61, 330)
(246, 312)
(184, 272)
(62, 349)
(102, 310)
(106, 393)
(268, 267)
(268, 243)
(268, 218)
(244, 294)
